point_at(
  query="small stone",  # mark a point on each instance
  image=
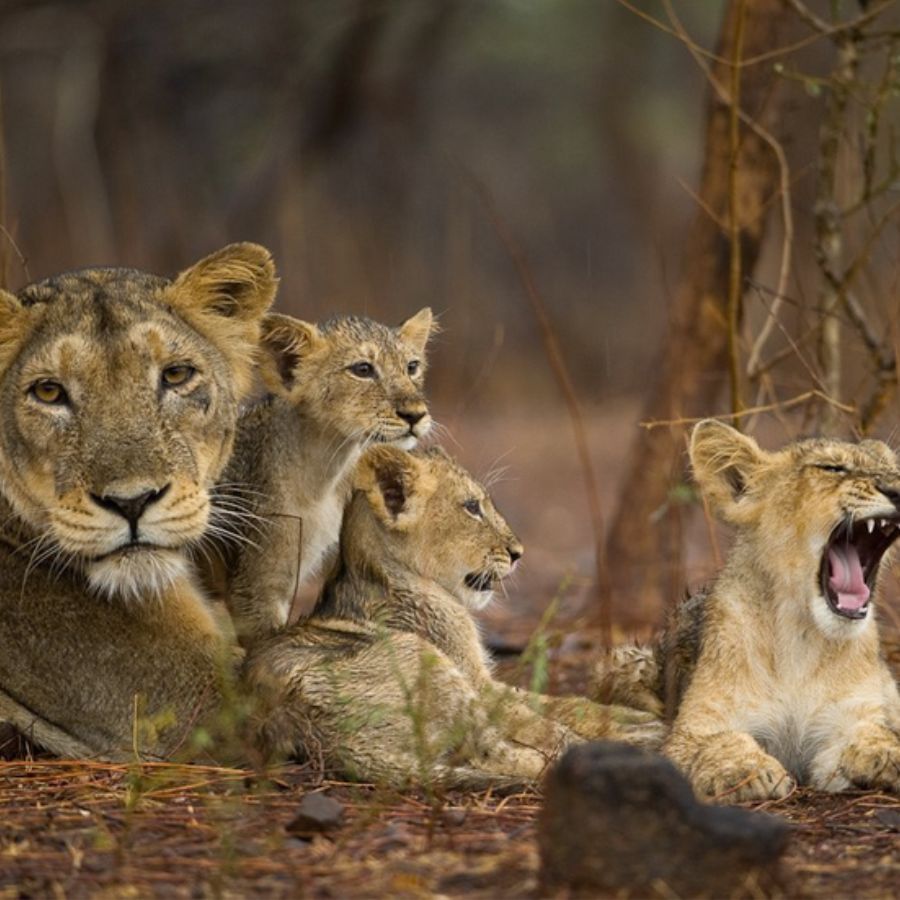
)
(618, 818)
(890, 818)
(454, 815)
(317, 813)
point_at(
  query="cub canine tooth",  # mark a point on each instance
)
(870, 524)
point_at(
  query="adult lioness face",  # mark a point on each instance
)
(118, 399)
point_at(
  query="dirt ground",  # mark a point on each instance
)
(75, 829)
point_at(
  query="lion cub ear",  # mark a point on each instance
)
(416, 330)
(396, 484)
(224, 297)
(724, 463)
(286, 342)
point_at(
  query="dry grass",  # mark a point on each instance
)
(74, 828)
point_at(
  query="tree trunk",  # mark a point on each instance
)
(643, 545)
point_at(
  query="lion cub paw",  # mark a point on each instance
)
(873, 764)
(753, 778)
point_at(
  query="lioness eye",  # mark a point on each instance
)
(473, 508)
(362, 369)
(832, 467)
(173, 376)
(50, 392)
(412, 367)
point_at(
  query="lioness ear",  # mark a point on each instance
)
(417, 329)
(13, 326)
(724, 461)
(224, 297)
(286, 342)
(396, 483)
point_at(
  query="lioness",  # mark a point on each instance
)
(396, 683)
(776, 671)
(336, 388)
(119, 394)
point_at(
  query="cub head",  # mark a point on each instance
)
(119, 393)
(818, 515)
(360, 378)
(423, 512)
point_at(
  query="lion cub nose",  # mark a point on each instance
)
(130, 508)
(411, 416)
(515, 552)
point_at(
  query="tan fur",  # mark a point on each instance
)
(286, 485)
(395, 683)
(106, 645)
(773, 685)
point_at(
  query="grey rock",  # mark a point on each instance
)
(317, 813)
(620, 819)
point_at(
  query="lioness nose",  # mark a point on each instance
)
(130, 508)
(411, 416)
(893, 494)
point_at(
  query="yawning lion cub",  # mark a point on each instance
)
(777, 672)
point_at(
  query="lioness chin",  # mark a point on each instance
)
(775, 674)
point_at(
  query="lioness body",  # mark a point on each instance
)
(776, 674)
(404, 689)
(118, 398)
(336, 388)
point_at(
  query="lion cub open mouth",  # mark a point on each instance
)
(851, 560)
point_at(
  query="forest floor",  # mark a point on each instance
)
(76, 829)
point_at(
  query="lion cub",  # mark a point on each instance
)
(395, 672)
(777, 672)
(336, 388)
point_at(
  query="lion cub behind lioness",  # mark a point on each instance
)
(776, 671)
(389, 676)
(336, 388)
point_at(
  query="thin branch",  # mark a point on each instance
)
(784, 178)
(753, 410)
(734, 225)
(787, 49)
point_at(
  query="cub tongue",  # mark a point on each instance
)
(846, 577)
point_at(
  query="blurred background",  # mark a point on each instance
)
(362, 142)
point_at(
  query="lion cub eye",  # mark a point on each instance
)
(832, 467)
(362, 370)
(52, 393)
(473, 508)
(412, 367)
(174, 376)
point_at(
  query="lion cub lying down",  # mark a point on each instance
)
(776, 672)
(388, 679)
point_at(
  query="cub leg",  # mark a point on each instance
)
(727, 766)
(390, 709)
(595, 721)
(509, 710)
